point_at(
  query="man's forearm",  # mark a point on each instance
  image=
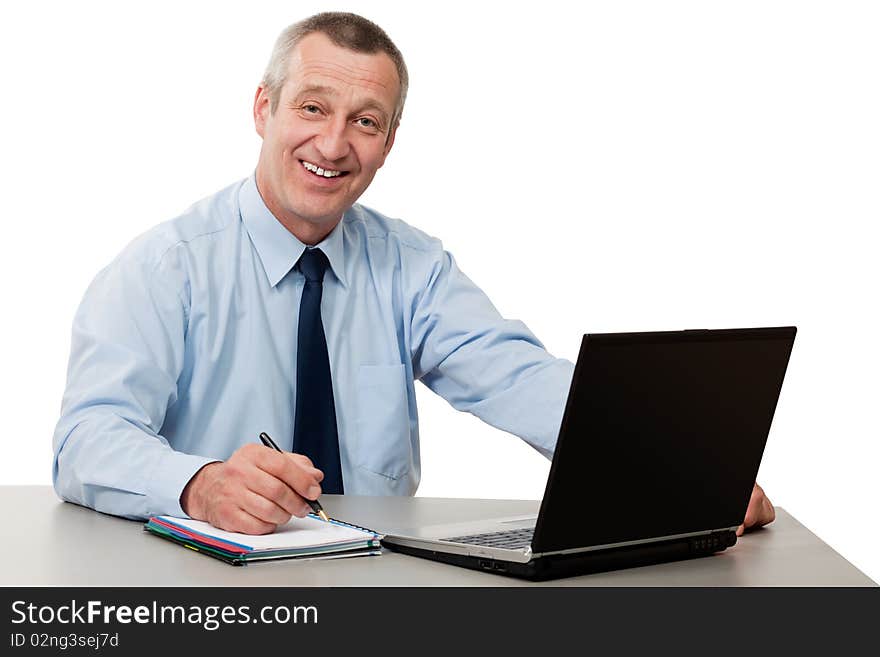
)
(106, 463)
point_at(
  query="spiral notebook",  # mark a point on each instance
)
(300, 538)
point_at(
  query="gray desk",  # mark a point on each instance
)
(67, 545)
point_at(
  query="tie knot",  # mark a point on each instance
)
(313, 263)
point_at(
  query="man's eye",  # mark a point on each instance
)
(311, 109)
(364, 122)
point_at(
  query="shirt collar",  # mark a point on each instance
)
(278, 248)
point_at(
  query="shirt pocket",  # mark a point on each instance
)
(382, 424)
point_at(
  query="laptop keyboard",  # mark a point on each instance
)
(512, 539)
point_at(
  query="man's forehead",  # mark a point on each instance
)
(318, 63)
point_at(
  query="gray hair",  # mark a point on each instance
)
(346, 30)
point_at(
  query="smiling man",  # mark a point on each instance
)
(281, 305)
(326, 132)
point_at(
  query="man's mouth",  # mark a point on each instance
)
(323, 173)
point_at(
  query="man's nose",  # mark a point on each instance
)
(332, 141)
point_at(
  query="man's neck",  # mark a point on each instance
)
(307, 232)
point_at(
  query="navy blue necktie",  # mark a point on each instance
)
(314, 432)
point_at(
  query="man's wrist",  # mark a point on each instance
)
(191, 499)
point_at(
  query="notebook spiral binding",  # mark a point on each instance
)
(349, 524)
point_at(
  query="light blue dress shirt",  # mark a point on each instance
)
(184, 349)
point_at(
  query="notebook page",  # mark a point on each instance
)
(298, 532)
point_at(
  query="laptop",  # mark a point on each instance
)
(658, 450)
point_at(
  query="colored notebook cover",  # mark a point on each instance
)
(301, 538)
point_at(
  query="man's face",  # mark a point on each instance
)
(328, 136)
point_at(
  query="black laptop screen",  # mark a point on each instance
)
(663, 434)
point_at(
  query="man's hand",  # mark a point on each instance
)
(759, 513)
(253, 492)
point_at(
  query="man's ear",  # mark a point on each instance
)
(262, 108)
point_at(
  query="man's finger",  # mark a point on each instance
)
(769, 512)
(301, 459)
(273, 488)
(264, 509)
(301, 478)
(760, 511)
(751, 514)
(236, 519)
(287, 466)
(306, 462)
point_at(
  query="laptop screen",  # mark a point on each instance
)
(663, 434)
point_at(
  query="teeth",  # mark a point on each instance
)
(314, 168)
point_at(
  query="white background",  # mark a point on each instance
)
(593, 166)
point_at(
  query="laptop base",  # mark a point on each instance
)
(566, 565)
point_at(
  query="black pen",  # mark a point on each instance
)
(316, 506)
